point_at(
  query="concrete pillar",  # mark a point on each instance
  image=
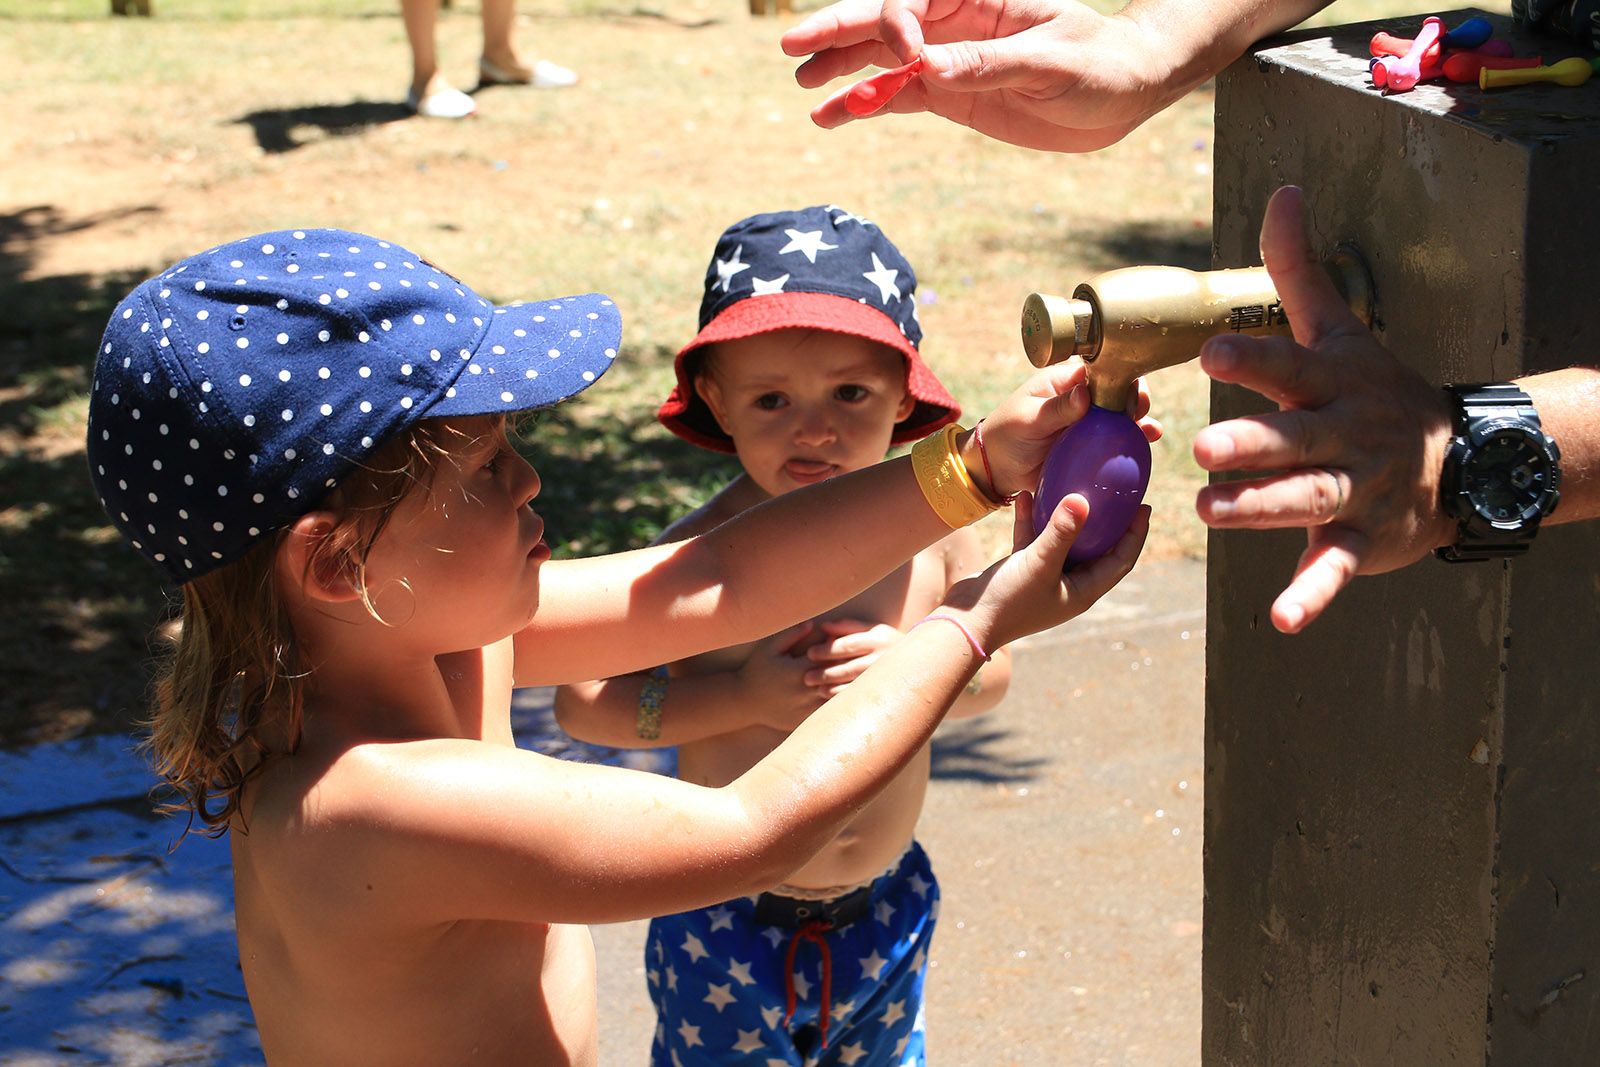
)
(1402, 836)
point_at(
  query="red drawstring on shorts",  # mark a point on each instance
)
(811, 931)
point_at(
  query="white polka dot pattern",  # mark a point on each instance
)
(231, 391)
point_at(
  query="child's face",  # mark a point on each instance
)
(457, 566)
(804, 405)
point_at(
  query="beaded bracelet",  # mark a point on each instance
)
(945, 481)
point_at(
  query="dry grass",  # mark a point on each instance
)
(131, 143)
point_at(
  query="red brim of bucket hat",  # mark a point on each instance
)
(686, 415)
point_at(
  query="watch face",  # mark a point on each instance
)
(1508, 477)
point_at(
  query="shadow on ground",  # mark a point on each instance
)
(72, 644)
(280, 130)
(973, 750)
(1169, 244)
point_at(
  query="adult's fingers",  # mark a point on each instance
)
(1308, 497)
(1276, 367)
(1313, 305)
(1276, 440)
(1325, 567)
(900, 26)
(1023, 61)
(846, 23)
(833, 113)
(824, 67)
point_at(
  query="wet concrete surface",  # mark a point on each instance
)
(1064, 827)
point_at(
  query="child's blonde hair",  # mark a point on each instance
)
(228, 694)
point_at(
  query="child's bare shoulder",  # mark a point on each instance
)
(368, 803)
(731, 500)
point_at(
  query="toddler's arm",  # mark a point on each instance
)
(431, 832)
(769, 688)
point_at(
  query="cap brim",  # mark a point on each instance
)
(534, 355)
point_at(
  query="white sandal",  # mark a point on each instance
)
(446, 103)
(542, 75)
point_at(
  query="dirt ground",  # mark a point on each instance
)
(135, 142)
(130, 143)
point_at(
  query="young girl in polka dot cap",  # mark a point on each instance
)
(306, 430)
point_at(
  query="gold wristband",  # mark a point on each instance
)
(647, 724)
(944, 481)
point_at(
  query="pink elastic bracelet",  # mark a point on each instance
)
(971, 640)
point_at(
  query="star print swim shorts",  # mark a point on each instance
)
(783, 982)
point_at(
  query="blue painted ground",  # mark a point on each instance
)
(116, 947)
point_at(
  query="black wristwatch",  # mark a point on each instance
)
(1501, 473)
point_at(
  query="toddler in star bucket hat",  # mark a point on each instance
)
(307, 431)
(806, 366)
(819, 268)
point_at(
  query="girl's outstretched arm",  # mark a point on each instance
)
(777, 564)
(441, 830)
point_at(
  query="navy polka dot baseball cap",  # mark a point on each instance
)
(235, 389)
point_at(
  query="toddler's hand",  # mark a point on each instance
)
(774, 676)
(850, 647)
(1027, 592)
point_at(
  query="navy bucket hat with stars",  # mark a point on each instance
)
(818, 268)
(232, 391)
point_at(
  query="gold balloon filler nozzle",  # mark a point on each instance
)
(1128, 322)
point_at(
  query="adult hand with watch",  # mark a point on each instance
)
(1367, 456)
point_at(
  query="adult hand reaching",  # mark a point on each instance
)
(1050, 74)
(1359, 437)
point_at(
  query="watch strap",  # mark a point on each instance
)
(1493, 400)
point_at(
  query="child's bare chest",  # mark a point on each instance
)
(899, 600)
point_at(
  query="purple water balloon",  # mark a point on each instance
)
(1105, 458)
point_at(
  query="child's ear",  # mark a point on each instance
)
(711, 393)
(908, 404)
(310, 560)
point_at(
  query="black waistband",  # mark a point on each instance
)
(791, 912)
